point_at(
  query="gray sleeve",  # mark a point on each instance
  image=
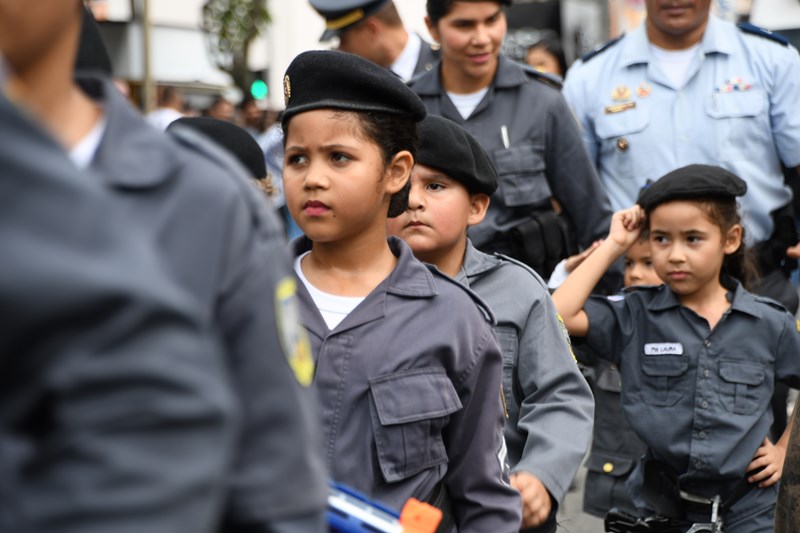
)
(557, 409)
(787, 360)
(477, 477)
(611, 325)
(279, 474)
(573, 178)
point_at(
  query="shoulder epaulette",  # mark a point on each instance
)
(545, 77)
(601, 48)
(485, 310)
(231, 167)
(523, 265)
(770, 302)
(761, 32)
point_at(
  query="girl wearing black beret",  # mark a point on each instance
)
(407, 369)
(699, 356)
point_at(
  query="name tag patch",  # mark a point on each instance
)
(663, 348)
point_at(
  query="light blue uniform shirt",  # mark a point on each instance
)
(739, 108)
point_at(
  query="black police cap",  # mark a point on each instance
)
(449, 148)
(342, 14)
(693, 181)
(329, 79)
(231, 137)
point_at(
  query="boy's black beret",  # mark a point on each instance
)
(343, 14)
(231, 137)
(693, 181)
(329, 79)
(449, 148)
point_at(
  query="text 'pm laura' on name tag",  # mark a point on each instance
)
(663, 348)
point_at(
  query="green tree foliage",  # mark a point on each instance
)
(231, 25)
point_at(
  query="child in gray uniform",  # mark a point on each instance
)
(548, 403)
(407, 370)
(699, 356)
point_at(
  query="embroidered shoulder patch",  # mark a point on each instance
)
(292, 335)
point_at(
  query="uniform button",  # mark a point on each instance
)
(707, 343)
(608, 468)
(702, 434)
(622, 144)
(704, 404)
(705, 373)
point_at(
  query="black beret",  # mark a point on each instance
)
(231, 137)
(92, 56)
(342, 14)
(693, 181)
(329, 79)
(449, 148)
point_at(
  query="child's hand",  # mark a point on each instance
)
(626, 225)
(572, 262)
(536, 502)
(770, 457)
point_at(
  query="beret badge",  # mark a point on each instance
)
(287, 90)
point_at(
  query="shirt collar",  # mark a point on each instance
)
(407, 60)
(636, 47)
(508, 74)
(743, 301)
(410, 276)
(475, 263)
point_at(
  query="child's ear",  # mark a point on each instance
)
(398, 171)
(478, 204)
(733, 239)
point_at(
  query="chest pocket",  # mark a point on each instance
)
(622, 146)
(742, 386)
(740, 118)
(409, 410)
(662, 381)
(508, 340)
(522, 174)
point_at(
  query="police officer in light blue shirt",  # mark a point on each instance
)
(687, 87)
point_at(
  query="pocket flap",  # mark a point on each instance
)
(611, 465)
(741, 372)
(737, 104)
(665, 365)
(524, 158)
(413, 395)
(609, 126)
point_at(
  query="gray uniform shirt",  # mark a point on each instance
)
(409, 386)
(544, 158)
(699, 398)
(223, 246)
(116, 413)
(549, 403)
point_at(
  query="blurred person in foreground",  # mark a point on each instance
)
(216, 240)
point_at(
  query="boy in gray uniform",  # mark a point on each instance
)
(548, 404)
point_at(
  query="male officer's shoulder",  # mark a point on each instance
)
(597, 50)
(751, 29)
